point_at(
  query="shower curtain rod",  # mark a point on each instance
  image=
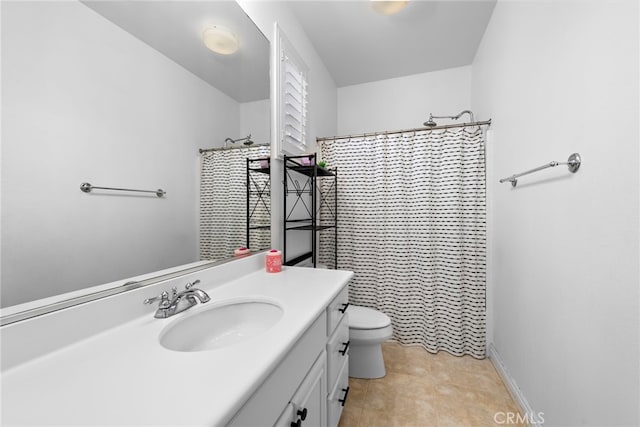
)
(206, 150)
(364, 135)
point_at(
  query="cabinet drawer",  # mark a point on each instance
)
(337, 310)
(337, 351)
(338, 396)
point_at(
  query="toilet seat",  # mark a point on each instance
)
(370, 335)
(367, 318)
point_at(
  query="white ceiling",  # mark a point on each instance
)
(175, 28)
(359, 45)
(356, 43)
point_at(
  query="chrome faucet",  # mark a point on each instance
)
(179, 301)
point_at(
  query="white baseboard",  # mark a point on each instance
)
(512, 387)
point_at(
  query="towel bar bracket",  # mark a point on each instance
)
(574, 162)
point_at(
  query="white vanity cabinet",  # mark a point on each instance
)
(321, 397)
(268, 379)
(292, 384)
(337, 356)
(309, 386)
(307, 407)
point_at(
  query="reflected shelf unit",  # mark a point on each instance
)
(258, 195)
(302, 181)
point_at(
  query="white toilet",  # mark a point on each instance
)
(368, 329)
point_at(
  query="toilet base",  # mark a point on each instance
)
(365, 361)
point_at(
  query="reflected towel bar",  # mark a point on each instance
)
(573, 163)
(86, 187)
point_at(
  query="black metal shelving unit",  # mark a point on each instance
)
(305, 167)
(258, 193)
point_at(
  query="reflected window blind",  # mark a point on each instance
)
(293, 104)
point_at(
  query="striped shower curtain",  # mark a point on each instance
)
(223, 202)
(411, 220)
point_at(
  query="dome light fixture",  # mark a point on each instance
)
(220, 40)
(388, 7)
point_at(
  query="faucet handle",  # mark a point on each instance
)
(191, 284)
(163, 298)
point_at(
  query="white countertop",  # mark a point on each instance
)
(123, 376)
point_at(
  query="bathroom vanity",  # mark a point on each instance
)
(110, 362)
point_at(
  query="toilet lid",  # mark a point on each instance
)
(367, 318)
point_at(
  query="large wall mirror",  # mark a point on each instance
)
(124, 94)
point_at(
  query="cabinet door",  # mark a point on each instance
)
(307, 407)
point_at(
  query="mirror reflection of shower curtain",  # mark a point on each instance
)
(411, 221)
(223, 203)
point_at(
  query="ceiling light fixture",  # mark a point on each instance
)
(220, 40)
(388, 7)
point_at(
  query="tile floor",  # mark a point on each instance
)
(428, 390)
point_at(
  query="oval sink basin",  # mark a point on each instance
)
(220, 326)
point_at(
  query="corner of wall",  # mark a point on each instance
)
(533, 419)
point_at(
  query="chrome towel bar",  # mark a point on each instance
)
(86, 187)
(573, 164)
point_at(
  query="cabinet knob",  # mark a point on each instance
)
(302, 414)
(344, 399)
(344, 350)
(344, 308)
(296, 423)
